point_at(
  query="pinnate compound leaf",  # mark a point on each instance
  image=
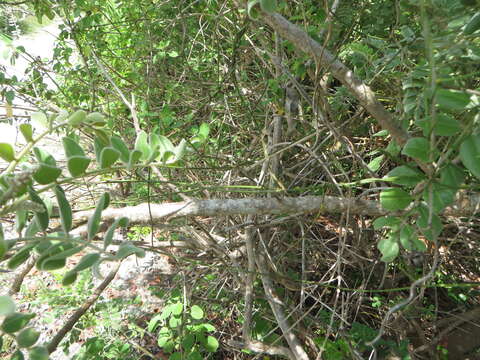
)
(6, 152)
(417, 148)
(15, 322)
(77, 165)
(108, 157)
(394, 199)
(7, 306)
(94, 220)
(27, 337)
(65, 209)
(470, 154)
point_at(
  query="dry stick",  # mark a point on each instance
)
(18, 280)
(52, 346)
(247, 321)
(277, 307)
(325, 58)
(263, 206)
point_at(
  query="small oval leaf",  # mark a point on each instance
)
(6, 152)
(27, 337)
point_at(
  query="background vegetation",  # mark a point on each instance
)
(323, 179)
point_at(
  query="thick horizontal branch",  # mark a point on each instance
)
(140, 214)
(358, 88)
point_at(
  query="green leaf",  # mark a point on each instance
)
(107, 240)
(41, 218)
(77, 118)
(77, 165)
(38, 353)
(16, 321)
(65, 209)
(40, 119)
(433, 230)
(94, 220)
(69, 278)
(17, 355)
(7, 306)
(452, 99)
(394, 199)
(108, 157)
(268, 6)
(470, 154)
(20, 220)
(188, 341)
(141, 144)
(374, 165)
(177, 308)
(135, 156)
(452, 176)
(174, 322)
(473, 24)
(180, 150)
(119, 145)
(442, 196)
(46, 174)
(194, 355)
(176, 356)
(196, 312)
(406, 237)
(6, 152)
(96, 119)
(417, 148)
(386, 221)
(251, 9)
(27, 131)
(27, 337)
(44, 157)
(204, 130)
(389, 248)
(405, 175)
(20, 257)
(446, 125)
(98, 145)
(3, 245)
(71, 147)
(87, 261)
(127, 249)
(212, 344)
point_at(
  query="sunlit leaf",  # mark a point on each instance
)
(196, 312)
(394, 199)
(7, 306)
(141, 144)
(389, 248)
(6, 152)
(107, 240)
(27, 131)
(77, 118)
(405, 175)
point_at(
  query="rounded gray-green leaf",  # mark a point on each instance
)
(27, 337)
(38, 353)
(7, 306)
(395, 199)
(16, 321)
(65, 209)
